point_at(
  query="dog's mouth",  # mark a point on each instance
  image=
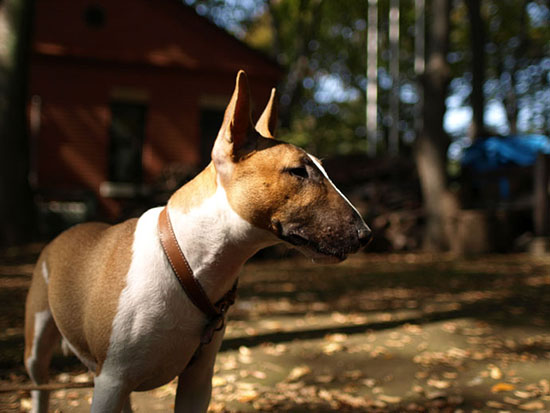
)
(313, 250)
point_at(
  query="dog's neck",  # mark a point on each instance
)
(215, 240)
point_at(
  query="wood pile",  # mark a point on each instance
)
(387, 193)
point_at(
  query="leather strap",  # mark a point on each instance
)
(183, 271)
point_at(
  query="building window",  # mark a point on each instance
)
(210, 123)
(212, 109)
(94, 16)
(127, 132)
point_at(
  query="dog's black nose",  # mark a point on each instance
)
(365, 235)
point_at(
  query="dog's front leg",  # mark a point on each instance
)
(110, 395)
(195, 382)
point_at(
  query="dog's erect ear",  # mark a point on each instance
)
(236, 121)
(267, 124)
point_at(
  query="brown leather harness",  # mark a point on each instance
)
(215, 313)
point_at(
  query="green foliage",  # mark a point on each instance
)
(517, 61)
(322, 46)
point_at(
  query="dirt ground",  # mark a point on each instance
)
(377, 333)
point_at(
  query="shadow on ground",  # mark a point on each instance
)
(386, 333)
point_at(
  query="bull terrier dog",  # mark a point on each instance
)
(144, 301)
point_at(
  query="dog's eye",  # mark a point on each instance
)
(300, 172)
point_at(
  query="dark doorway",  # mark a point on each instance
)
(127, 132)
(210, 123)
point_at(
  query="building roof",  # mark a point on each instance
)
(158, 33)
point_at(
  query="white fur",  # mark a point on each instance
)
(320, 167)
(41, 319)
(217, 241)
(157, 328)
(39, 399)
(154, 317)
(111, 395)
(67, 348)
(36, 401)
(45, 272)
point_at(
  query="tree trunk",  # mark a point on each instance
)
(298, 67)
(477, 41)
(16, 211)
(511, 105)
(432, 143)
(510, 99)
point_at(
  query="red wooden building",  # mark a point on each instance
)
(121, 90)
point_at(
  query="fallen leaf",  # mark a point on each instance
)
(273, 325)
(82, 378)
(72, 395)
(325, 378)
(298, 372)
(512, 401)
(353, 374)
(389, 399)
(495, 405)
(259, 375)
(435, 395)
(413, 328)
(26, 405)
(63, 378)
(500, 387)
(395, 344)
(535, 405)
(332, 348)
(60, 394)
(439, 384)
(218, 381)
(216, 407)
(243, 385)
(545, 385)
(247, 396)
(458, 353)
(353, 401)
(476, 381)
(369, 382)
(337, 338)
(325, 395)
(421, 374)
(245, 351)
(524, 394)
(449, 327)
(495, 372)
(379, 403)
(276, 350)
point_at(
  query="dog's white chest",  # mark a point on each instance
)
(156, 329)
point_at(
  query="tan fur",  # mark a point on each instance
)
(193, 193)
(267, 123)
(261, 193)
(87, 270)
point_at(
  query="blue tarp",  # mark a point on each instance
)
(491, 153)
